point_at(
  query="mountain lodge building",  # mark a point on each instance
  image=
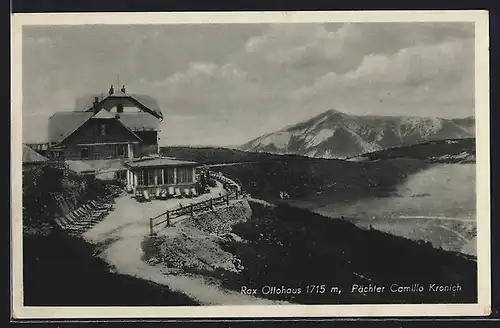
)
(117, 126)
(117, 136)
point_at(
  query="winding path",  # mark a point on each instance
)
(120, 236)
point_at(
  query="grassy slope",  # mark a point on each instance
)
(426, 150)
(304, 177)
(337, 253)
(212, 155)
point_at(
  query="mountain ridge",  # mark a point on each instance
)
(334, 134)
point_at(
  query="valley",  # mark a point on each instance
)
(436, 205)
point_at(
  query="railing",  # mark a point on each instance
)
(227, 182)
(191, 210)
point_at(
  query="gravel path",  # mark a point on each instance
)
(120, 236)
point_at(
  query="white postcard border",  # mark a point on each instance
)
(483, 307)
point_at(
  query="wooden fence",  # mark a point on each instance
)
(191, 210)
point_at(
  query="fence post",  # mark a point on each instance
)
(236, 190)
(227, 199)
(168, 219)
(192, 211)
(150, 226)
(211, 204)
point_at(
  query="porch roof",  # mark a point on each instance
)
(160, 162)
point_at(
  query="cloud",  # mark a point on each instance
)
(243, 81)
(342, 47)
(448, 60)
(430, 79)
(418, 64)
(198, 72)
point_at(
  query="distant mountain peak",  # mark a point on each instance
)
(333, 111)
(335, 134)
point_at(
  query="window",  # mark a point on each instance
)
(169, 176)
(103, 129)
(160, 177)
(140, 178)
(121, 150)
(184, 175)
(149, 175)
(84, 153)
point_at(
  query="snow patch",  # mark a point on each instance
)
(279, 140)
(426, 126)
(318, 122)
(315, 139)
(462, 155)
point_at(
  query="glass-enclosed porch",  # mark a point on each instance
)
(162, 176)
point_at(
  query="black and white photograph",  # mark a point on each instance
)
(250, 164)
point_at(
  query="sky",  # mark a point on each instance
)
(225, 84)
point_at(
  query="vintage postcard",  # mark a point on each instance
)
(250, 164)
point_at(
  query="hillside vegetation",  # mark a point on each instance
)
(305, 177)
(448, 151)
(214, 155)
(312, 249)
(42, 185)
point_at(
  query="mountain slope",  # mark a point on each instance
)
(444, 151)
(334, 134)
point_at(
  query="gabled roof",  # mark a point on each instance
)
(31, 156)
(62, 124)
(105, 116)
(146, 102)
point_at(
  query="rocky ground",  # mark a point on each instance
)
(195, 245)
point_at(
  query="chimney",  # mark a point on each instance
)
(96, 105)
(111, 90)
(123, 89)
